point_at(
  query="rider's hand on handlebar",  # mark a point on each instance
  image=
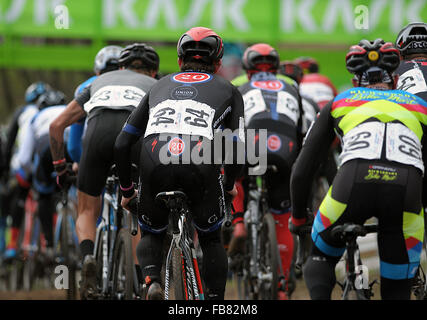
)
(63, 176)
(304, 228)
(125, 201)
(233, 192)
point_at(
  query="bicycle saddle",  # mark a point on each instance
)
(352, 231)
(171, 198)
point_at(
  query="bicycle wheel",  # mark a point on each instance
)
(123, 266)
(182, 282)
(269, 259)
(66, 244)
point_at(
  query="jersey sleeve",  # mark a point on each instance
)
(83, 97)
(314, 152)
(133, 129)
(235, 122)
(25, 152)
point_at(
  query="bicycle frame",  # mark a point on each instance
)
(182, 239)
(257, 208)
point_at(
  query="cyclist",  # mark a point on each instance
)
(189, 104)
(14, 198)
(107, 102)
(272, 104)
(32, 161)
(107, 59)
(412, 44)
(310, 107)
(313, 84)
(382, 164)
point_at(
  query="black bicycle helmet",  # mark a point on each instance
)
(260, 54)
(36, 89)
(412, 39)
(140, 51)
(375, 53)
(200, 43)
(51, 98)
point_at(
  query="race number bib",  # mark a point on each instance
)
(412, 81)
(254, 103)
(287, 104)
(402, 145)
(317, 91)
(115, 97)
(364, 141)
(181, 117)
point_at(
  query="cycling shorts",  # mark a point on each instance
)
(97, 157)
(390, 192)
(201, 183)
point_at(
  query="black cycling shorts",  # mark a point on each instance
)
(98, 149)
(201, 183)
(389, 191)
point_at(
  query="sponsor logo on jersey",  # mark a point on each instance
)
(274, 143)
(191, 77)
(176, 146)
(270, 85)
(184, 92)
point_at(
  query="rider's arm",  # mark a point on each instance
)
(11, 133)
(133, 129)
(72, 113)
(424, 194)
(235, 122)
(25, 153)
(313, 153)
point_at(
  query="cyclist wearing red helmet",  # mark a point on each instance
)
(380, 175)
(412, 44)
(272, 104)
(177, 117)
(313, 84)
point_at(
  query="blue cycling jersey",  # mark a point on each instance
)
(74, 144)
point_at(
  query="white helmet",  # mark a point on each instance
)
(107, 57)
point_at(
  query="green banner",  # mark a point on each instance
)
(302, 21)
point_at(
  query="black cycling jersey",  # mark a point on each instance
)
(185, 103)
(413, 77)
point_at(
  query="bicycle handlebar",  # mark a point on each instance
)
(133, 206)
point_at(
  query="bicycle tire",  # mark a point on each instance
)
(66, 251)
(178, 275)
(269, 260)
(182, 282)
(99, 258)
(123, 266)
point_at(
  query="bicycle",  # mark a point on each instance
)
(354, 286)
(66, 243)
(181, 259)
(259, 271)
(116, 275)
(419, 284)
